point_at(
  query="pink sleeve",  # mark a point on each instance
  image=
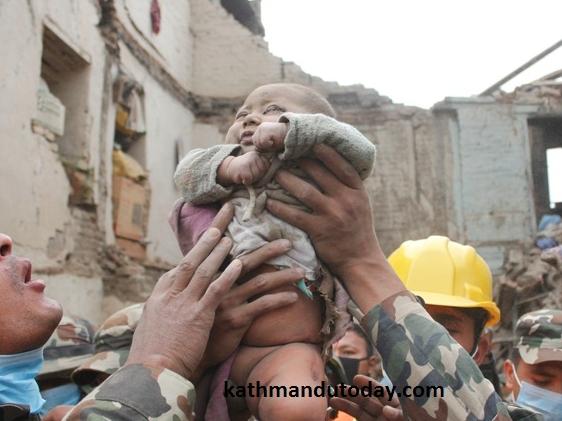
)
(189, 222)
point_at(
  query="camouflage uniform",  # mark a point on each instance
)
(539, 336)
(134, 392)
(417, 351)
(70, 345)
(112, 343)
(138, 392)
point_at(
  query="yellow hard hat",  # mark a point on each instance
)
(445, 273)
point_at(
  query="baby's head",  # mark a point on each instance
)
(268, 102)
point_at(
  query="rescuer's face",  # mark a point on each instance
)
(27, 316)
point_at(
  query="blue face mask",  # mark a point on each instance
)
(67, 394)
(385, 381)
(17, 379)
(541, 400)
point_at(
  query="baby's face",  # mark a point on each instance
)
(266, 103)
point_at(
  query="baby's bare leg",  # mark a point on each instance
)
(296, 364)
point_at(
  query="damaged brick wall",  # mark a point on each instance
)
(192, 95)
(126, 281)
(532, 280)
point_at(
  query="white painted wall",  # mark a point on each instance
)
(173, 46)
(35, 190)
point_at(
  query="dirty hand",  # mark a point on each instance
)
(244, 169)
(365, 408)
(178, 316)
(341, 223)
(270, 137)
(236, 312)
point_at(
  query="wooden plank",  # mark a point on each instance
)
(520, 69)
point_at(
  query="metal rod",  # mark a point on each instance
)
(525, 66)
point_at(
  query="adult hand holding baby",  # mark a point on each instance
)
(340, 225)
(178, 316)
(234, 309)
(240, 306)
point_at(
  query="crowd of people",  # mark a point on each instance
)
(283, 283)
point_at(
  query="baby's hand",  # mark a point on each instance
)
(244, 169)
(270, 137)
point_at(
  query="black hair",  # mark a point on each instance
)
(359, 331)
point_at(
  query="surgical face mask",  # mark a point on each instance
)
(385, 381)
(545, 401)
(17, 379)
(542, 400)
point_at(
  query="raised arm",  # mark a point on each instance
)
(415, 349)
(170, 339)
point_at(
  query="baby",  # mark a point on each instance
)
(276, 125)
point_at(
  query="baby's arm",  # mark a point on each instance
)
(303, 131)
(207, 175)
(196, 175)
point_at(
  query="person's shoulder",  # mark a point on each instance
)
(112, 344)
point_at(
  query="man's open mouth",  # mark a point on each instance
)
(27, 273)
(37, 285)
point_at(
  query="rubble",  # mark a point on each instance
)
(127, 281)
(531, 280)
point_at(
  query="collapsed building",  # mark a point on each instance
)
(102, 98)
(531, 280)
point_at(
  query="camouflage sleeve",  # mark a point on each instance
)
(138, 392)
(307, 130)
(417, 351)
